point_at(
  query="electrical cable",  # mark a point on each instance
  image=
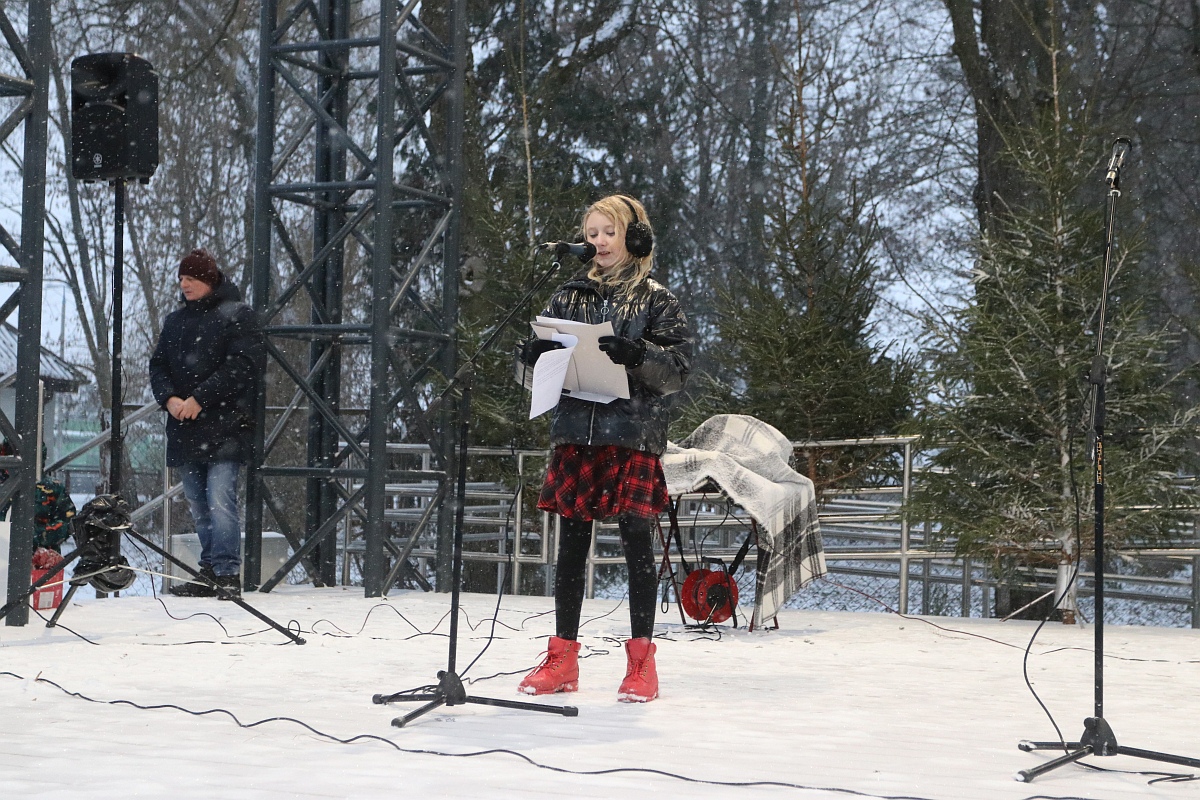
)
(1166, 776)
(1078, 502)
(492, 632)
(494, 751)
(707, 626)
(1163, 776)
(606, 614)
(64, 627)
(960, 632)
(418, 632)
(500, 582)
(890, 610)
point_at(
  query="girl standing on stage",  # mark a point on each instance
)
(606, 456)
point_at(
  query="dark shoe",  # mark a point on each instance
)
(197, 588)
(232, 586)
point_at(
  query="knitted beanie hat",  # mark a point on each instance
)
(199, 264)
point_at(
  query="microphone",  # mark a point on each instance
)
(1121, 148)
(584, 251)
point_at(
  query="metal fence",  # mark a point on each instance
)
(876, 556)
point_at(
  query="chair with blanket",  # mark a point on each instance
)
(747, 460)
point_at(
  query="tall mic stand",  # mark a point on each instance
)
(450, 690)
(1098, 738)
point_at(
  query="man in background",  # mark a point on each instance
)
(205, 372)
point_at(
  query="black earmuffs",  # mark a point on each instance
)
(639, 239)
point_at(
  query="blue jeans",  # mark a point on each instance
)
(211, 492)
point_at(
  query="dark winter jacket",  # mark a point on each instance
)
(212, 350)
(648, 312)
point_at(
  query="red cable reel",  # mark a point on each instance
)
(708, 595)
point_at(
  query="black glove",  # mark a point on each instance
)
(533, 349)
(630, 352)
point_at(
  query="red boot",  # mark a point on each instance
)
(559, 672)
(641, 676)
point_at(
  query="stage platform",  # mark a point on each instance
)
(831, 705)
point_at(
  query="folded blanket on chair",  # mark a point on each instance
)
(748, 460)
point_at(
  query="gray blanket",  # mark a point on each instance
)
(748, 460)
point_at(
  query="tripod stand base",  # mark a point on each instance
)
(1097, 740)
(450, 692)
(222, 592)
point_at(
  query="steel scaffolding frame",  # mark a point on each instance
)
(357, 191)
(32, 56)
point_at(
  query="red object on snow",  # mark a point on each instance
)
(45, 558)
(719, 594)
(641, 674)
(558, 672)
(687, 595)
(709, 596)
(49, 596)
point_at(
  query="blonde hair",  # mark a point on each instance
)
(623, 211)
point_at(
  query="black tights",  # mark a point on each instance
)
(574, 542)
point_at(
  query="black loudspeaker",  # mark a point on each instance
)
(114, 117)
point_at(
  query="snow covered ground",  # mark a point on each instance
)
(831, 705)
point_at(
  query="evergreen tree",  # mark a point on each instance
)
(1010, 415)
(796, 343)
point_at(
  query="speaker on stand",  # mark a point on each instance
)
(114, 118)
(114, 137)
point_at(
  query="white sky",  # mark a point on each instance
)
(835, 704)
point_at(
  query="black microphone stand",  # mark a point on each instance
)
(1098, 738)
(450, 690)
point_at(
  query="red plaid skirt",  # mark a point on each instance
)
(589, 483)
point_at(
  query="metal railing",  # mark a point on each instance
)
(866, 533)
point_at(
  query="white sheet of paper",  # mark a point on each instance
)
(592, 372)
(550, 372)
(581, 369)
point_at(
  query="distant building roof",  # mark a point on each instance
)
(58, 375)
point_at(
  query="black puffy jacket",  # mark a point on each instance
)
(648, 312)
(210, 349)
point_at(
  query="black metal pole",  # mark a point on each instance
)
(1099, 378)
(1098, 569)
(329, 217)
(33, 217)
(115, 448)
(460, 500)
(260, 283)
(375, 528)
(90, 550)
(222, 592)
(450, 690)
(452, 250)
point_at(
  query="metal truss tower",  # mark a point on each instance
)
(358, 188)
(30, 91)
